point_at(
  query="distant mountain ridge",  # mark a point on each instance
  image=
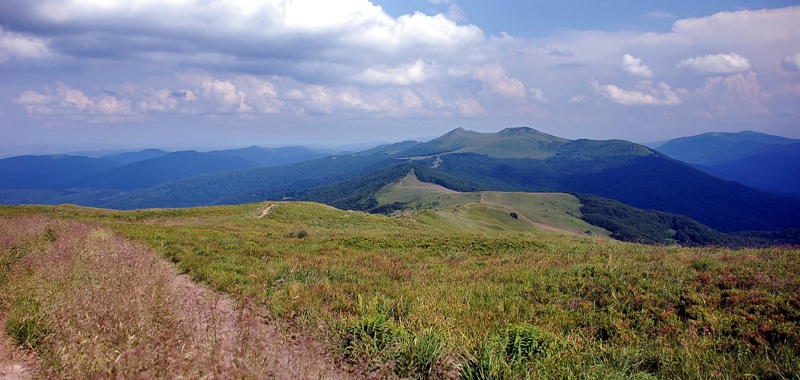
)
(761, 161)
(715, 148)
(521, 142)
(271, 156)
(161, 169)
(514, 159)
(48, 172)
(776, 170)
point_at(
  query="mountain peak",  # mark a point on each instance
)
(514, 142)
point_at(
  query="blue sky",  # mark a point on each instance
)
(178, 74)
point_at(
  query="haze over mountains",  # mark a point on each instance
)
(514, 159)
(761, 161)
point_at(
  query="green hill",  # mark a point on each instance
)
(450, 210)
(508, 143)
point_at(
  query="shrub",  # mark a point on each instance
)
(523, 342)
(370, 339)
(422, 356)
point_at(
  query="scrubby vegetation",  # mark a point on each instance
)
(398, 298)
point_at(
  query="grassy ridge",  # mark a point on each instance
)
(396, 296)
(453, 211)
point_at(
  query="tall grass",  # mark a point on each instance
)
(401, 299)
(90, 304)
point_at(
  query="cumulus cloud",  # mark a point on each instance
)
(738, 94)
(496, 80)
(254, 27)
(73, 104)
(411, 73)
(635, 66)
(644, 94)
(791, 63)
(716, 64)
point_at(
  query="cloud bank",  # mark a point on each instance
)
(283, 63)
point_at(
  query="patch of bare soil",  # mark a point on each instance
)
(249, 342)
(14, 363)
(267, 210)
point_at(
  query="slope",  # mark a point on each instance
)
(249, 185)
(616, 169)
(271, 156)
(776, 170)
(509, 143)
(648, 182)
(714, 148)
(48, 172)
(398, 298)
(131, 157)
(451, 211)
(161, 169)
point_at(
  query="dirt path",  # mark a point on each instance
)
(199, 333)
(267, 210)
(246, 333)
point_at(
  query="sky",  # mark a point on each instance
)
(203, 74)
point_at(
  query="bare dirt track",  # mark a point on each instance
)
(183, 329)
(267, 210)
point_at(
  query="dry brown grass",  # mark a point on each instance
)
(83, 302)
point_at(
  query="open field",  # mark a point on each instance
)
(396, 297)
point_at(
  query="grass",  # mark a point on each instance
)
(455, 212)
(400, 298)
(89, 304)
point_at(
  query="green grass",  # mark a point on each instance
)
(452, 211)
(399, 296)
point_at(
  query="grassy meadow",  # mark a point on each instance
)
(424, 297)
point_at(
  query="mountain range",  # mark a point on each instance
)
(514, 159)
(764, 162)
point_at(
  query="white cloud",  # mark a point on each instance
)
(738, 94)
(538, 95)
(468, 107)
(644, 95)
(496, 80)
(716, 64)
(411, 73)
(791, 63)
(659, 14)
(455, 13)
(19, 46)
(73, 104)
(730, 29)
(635, 66)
